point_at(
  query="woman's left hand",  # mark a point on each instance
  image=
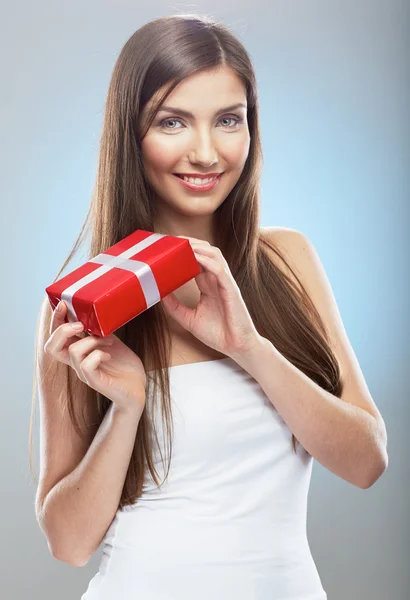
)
(221, 319)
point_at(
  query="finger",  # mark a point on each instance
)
(61, 340)
(82, 348)
(181, 313)
(90, 364)
(58, 316)
(218, 269)
(58, 340)
(211, 251)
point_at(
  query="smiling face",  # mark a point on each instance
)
(213, 138)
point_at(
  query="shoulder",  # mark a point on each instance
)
(292, 250)
(285, 237)
(303, 266)
(305, 261)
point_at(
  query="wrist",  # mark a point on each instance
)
(250, 358)
(132, 410)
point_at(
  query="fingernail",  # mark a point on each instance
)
(59, 306)
(77, 325)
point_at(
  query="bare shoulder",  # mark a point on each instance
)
(279, 234)
(304, 267)
(290, 243)
(306, 263)
(282, 236)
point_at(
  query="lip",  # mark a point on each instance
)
(200, 188)
(200, 175)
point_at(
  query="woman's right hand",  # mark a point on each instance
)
(118, 374)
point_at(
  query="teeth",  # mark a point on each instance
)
(199, 180)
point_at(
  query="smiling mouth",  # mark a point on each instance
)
(201, 186)
(198, 177)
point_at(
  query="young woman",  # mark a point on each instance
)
(242, 377)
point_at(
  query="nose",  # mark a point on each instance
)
(204, 151)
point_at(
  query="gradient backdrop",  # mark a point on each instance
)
(334, 87)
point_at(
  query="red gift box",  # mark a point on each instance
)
(128, 278)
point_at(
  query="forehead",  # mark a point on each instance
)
(205, 91)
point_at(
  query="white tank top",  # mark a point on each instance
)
(230, 521)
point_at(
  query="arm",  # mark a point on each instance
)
(344, 438)
(347, 435)
(82, 505)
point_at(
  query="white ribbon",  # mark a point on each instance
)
(141, 269)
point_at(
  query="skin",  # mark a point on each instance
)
(209, 142)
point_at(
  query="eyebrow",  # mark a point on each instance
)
(186, 113)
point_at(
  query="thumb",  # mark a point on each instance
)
(181, 313)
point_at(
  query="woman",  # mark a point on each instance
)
(258, 357)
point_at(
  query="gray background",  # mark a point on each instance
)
(334, 94)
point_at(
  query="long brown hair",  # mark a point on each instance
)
(161, 54)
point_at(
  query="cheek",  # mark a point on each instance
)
(238, 151)
(161, 156)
